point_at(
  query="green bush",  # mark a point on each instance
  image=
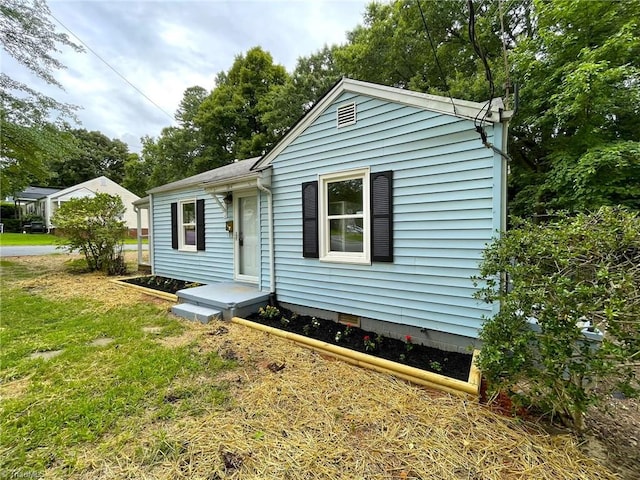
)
(94, 227)
(12, 225)
(567, 277)
(8, 210)
(32, 217)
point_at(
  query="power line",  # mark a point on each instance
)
(504, 52)
(112, 68)
(435, 56)
(489, 77)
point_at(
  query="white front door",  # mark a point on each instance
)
(246, 237)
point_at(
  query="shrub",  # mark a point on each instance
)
(94, 227)
(8, 210)
(12, 225)
(567, 277)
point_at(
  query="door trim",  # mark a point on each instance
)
(236, 247)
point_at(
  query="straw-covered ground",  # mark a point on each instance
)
(294, 414)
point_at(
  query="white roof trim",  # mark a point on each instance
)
(424, 101)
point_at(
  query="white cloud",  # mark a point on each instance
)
(163, 47)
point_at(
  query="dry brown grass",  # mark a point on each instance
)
(59, 284)
(316, 418)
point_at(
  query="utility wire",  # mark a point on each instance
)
(435, 56)
(489, 77)
(507, 84)
(112, 68)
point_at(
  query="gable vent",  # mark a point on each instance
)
(346, 115)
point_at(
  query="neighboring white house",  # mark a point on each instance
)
(47, 205)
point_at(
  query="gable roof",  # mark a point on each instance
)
(36, 193)
(458, 108)
(238, 169)
(103, 181)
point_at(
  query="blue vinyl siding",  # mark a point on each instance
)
(445, 213)
(215, 263)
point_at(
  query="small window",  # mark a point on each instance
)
(187, 222)
(346, 115)
(344, 217)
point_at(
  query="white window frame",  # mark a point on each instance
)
(182, 245)
(326, 255)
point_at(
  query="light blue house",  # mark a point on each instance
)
(373, 209)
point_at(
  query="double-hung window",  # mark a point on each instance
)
(348, 217)
(187, 223)
(344, 217)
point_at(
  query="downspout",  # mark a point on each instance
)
(506, 167)
(272, 266)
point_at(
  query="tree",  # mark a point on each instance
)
(136, 175)
(94, 226)
(230, 118)
(32, 124)
(179, 150)
(394, 47)
(313, 76)
(93, 155)
(571, 276)
(574, 140)
(580, 100)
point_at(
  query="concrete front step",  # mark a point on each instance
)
(233, 299)
(196, 312)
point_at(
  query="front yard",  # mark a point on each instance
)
(99, 381)
(25, 239)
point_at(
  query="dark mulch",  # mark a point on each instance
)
(450, 364)
(163, 284)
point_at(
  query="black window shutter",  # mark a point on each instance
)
(382, 216)
(310, 220)
(174, 225)
(200, 224)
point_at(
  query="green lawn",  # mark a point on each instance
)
(50, 408)
(18, 239)
(15, 239)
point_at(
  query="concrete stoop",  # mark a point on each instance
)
(221, 301)
(196, 312)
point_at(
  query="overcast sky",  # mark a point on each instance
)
(164, 47)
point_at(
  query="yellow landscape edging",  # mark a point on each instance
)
(460, 388)
(148, 291)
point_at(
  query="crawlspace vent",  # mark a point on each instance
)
(346, 115)
(347, 319)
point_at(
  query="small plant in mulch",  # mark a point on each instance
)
(269, 312)
(435, 366)
(308, 328)
(405, 350)
(348, 330)
(408, 345)
(369, 345)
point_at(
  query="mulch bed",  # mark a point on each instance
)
(162, 284)
(451, 364)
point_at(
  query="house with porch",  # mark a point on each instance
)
(374, 209)
(45, 201)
